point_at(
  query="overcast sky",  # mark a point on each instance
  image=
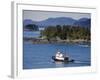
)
(42, 15)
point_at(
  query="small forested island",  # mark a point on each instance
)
(61, 34)
(31, 27)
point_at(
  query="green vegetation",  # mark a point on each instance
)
(66, 32)
(32, 27)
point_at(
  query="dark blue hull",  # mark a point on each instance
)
(66, 59)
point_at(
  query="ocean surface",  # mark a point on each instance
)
(37, 56)
(29, 34)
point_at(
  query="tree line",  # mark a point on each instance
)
(66, 32)
(31, 27)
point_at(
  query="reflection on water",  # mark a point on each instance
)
(59, 64)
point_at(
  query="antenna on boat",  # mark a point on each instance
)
(66, 52)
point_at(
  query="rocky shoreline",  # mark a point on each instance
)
(45, 41)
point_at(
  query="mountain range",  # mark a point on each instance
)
(83, 22)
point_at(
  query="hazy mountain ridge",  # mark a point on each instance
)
(56, 21)
(83, 22)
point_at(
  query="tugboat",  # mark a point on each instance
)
(60, 57)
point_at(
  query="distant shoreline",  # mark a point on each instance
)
(45, 41)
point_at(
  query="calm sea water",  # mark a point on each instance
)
(31, 34)
(39, 55)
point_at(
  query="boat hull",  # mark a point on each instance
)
(66, 59)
